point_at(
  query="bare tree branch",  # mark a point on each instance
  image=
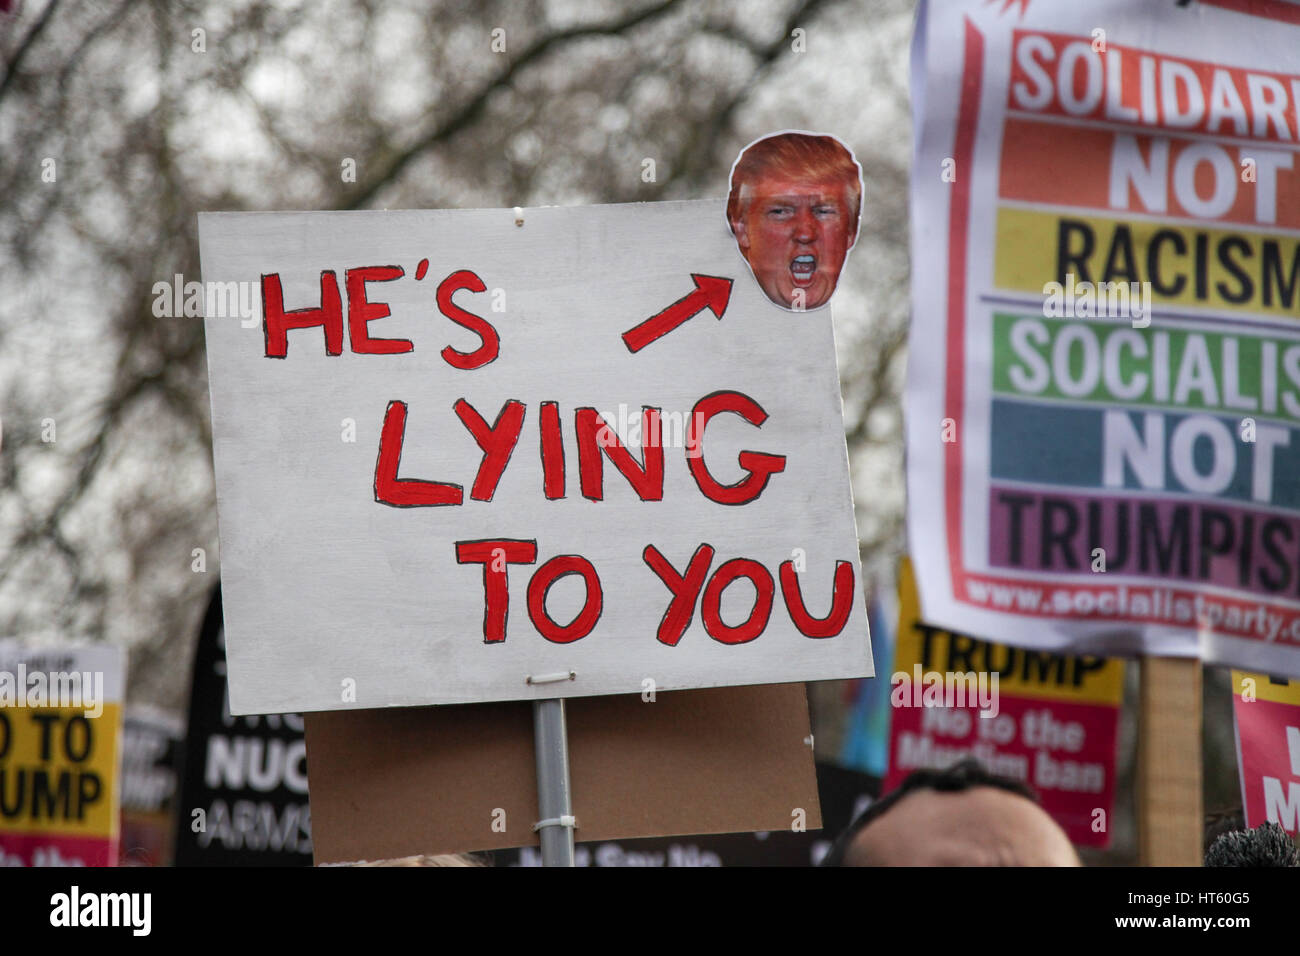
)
(11, 68)
(699, 157)
(473, 108)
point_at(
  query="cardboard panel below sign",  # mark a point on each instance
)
(844, 794)
(394, 783)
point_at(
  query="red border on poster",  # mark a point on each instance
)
(958, 244)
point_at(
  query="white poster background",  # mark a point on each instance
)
(323, 586)
(1200, 32)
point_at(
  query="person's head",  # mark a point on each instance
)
(962, 816)
(794, 207)
(1266, 845)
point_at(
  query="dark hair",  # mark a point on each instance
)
(1266, 845)
(964, 775)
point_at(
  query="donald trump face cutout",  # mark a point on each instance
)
(794, 207)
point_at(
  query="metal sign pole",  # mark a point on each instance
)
(554, 801)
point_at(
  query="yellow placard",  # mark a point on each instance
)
(59, 770)
(1246, 685)
(1227, 270)
(1021, 672)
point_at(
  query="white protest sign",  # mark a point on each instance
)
(456, 454)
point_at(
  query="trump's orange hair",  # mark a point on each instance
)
(803, 156)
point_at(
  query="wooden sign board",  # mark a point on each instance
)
(392, 783)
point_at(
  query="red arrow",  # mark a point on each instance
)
(711, 292)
